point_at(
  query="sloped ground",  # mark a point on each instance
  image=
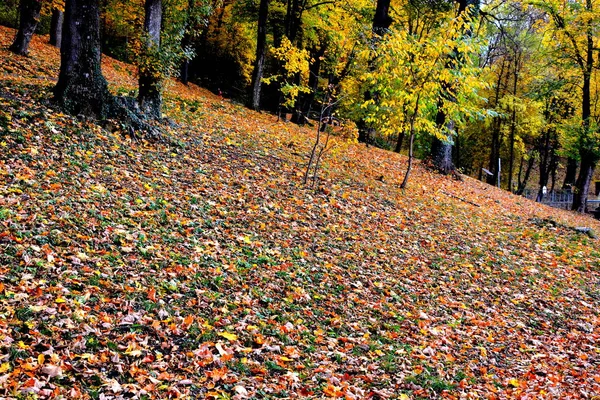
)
(205, 269)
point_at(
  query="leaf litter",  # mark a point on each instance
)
(202, 267)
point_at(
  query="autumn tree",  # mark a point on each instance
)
(381, 23)
(29, 11)
(261, 53)
(572, 28)
(81, 87)
(441, 148)
(150, 91)
(409, 74)
(56, 27)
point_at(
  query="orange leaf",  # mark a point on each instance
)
(152, 294)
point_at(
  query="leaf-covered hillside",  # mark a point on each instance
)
(202, 267)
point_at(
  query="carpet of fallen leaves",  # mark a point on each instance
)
(203, 268)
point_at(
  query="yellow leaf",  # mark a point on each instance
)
(4, 367)
(228, 336)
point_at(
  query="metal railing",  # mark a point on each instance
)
(561, 199)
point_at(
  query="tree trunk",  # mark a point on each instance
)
(583, 184)
(457, 151)
(261, 51)
(553, 167)
(411, 142)
(184, 72)
(587, 151)
(398, 147)
(496, 130)
(81, 88)
(293, 19)
(184, 69)
(314, 70)
(150, 83)
(513, 125)
(30, 16)
(56, 26)
(441, 155)
(570, 174)
(523, 183)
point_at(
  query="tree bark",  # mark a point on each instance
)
(399, 141)
(150, 83)
(523, 183)
(513, 124)
(81, 87)
(56, 27)
(30, 16)
(261, 51)
(587, 153)
(570, 174)
(583, 184)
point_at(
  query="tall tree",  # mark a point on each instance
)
(30, 16)
(81, 87)
(56, 26)
(381, 23)
(150, 90)
(441, 149)
(574, 25)
(261, 52)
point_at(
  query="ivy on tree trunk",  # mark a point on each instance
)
(81, 87)
(150, 93)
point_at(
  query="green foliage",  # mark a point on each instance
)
(408, 77)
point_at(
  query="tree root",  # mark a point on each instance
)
(126, 114)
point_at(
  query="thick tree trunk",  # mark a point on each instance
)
(441, 155)
(261, 51)
(583, 184)
(587, 145)
(56, 26)
(81, 88)
(441, 150)
(30, 16)
(150, 90)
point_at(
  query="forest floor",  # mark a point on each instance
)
(203, 267)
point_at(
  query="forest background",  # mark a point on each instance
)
(503, 90)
